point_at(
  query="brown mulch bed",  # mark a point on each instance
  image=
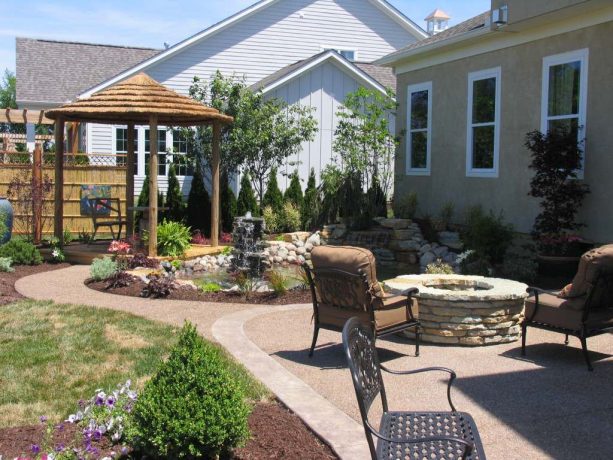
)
(276, 433)
(8, 293)
(187, 293)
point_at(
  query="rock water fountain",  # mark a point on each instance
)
(248, 253)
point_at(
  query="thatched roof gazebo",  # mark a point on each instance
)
(139, 100)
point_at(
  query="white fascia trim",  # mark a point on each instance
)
(400, 18)
(180, 46)
(36, 105)
(409, 171)
(473, 44)
(496, 73)
(339, 60)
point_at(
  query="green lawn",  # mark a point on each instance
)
(53, 355)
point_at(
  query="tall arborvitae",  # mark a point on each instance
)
(311, 204)
(198, 213)
(246, 198)
(228, 205)
(293, 193)
(273, 196)
(174, 198)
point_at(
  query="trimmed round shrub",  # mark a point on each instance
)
(193, 407)
(21, 252)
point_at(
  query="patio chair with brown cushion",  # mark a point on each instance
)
(102, 210)
(344, 284)
(405, 435)
(582, 309)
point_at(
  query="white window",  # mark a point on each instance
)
(419, 129)
(120, 144)
(161, 140)
(564, 93)
(483, 127)
(180, 146)
(349, 54)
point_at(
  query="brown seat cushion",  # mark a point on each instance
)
(350, 259)
(566, 313)
(395, 313)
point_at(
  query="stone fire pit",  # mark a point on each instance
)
(466, 310)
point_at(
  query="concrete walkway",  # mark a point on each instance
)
(344, 435)
(544, 406)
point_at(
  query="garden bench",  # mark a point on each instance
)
(101, 210)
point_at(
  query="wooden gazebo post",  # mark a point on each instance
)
(153, 185)
(130, 171)
(58, 222)
(215, 184)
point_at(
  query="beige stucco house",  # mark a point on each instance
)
(469, 95)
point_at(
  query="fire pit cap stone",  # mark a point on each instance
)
(456, 288)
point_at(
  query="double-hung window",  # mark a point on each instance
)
(161, 151)
(121, 145)
(564, 93)
(483, 127)
(183, 165)
(419, 129)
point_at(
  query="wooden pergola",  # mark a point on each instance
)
(139, 100)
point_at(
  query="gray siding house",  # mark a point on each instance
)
(541, 64)
(311, 52)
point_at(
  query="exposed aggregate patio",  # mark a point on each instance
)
(544, 406)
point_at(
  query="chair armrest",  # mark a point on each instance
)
(532, 290)
(469, 447)
(452, 377)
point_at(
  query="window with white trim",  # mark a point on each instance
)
(121, 144)
(161, 141)
(180, 146)
(564, 93)
(483, 127)
(419, 129)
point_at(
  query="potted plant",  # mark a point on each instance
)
(556, 161)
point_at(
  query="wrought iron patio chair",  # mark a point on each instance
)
(405, 435)
(344, 284)
(584, 311)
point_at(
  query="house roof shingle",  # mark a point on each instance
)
(52, 72)
(477, 22)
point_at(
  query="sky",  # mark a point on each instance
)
(151, 23)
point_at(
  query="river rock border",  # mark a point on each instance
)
(466, 317)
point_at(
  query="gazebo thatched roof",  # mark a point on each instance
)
(135, 100)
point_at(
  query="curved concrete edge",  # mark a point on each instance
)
(343, 434)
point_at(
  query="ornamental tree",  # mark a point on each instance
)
(556, 160)
(264, 134)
